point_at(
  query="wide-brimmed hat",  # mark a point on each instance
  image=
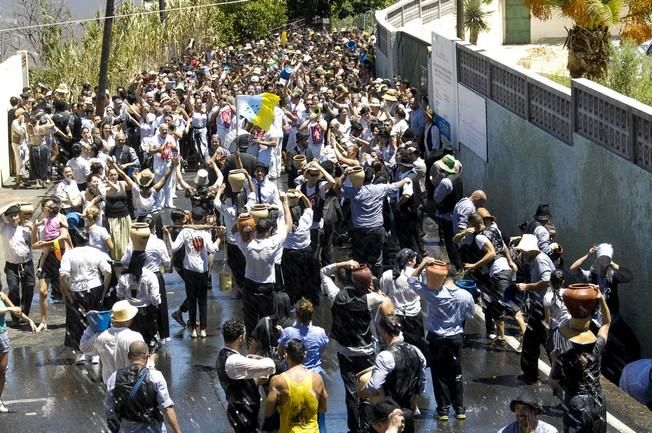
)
(380, 411)
(542, 213)
(527, 398)
(123, 311)
(578, 331)
(10, 208)
(374, 102)
(528, 243)
(145, 178)
(63, 88)
(447, 164)
(391, 95)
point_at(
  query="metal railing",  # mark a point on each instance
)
(607, 118)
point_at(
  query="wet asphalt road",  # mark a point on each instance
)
(46, 392)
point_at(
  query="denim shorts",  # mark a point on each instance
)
(5, 346)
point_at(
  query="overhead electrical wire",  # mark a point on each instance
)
(155, 11)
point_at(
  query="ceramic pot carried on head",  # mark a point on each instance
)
(259, 211)
(237, 179)
(139, 234)
(362, 378)
(294, 196)
(356, 176)
(581, 299)
(299, 161)
(362, 277)
(436, 273)
(246, 226)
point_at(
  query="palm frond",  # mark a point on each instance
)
(604, 13)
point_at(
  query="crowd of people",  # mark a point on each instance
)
(365, 166)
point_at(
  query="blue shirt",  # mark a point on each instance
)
(367, 204)
(635, 380)
(314, 339)
(448, 308)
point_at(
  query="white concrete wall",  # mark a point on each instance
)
(11, 77)
(555, 27)
(496, 34)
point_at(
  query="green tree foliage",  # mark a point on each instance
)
(345, 8)
(254, 20)
(630, 73)
(141, 42)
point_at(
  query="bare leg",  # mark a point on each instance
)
(500, 329)
(43, 304)
(520, 321)
(4, 361)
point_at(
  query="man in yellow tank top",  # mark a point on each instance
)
(298, 393)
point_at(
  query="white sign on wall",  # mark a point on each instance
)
(444, 86)
(472, 121)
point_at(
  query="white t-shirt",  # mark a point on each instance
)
(198, 245)
(558, 312)
(499, 264)
(97, 237)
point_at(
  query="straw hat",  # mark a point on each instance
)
(63, 88)
(391, 95)
(528, 243)
(145, 178)
(123, 311)
(578, 331)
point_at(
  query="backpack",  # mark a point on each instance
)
(332, 211)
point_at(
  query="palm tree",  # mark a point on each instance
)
(588, 40)
(475, 18)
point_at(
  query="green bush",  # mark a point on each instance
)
(629, 73)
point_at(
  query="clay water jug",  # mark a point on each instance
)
(356, 176)
(139, 234)
(246, 226)
(294, 196)
(436, 274)
(259, 211)
(298, 161)
(237, 179)
(581, 299)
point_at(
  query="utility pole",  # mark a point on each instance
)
(460, 19)
(104, 58)
(161, 10)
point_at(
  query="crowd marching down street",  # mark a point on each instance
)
(297, 150)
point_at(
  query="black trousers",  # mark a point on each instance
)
(447, 231)
(367, 247)
(406, 226)
(585, 413)
(301, 275)
(146, 322)
(76, 310)
(257, 302)
(414, 332)
(355, 408)
(533, 339)
(236, 261)
(197, 296)
(20, 281)
(446, 371)
(163, 319)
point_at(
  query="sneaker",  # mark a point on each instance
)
(492, 336)
(193, 333)
(95, 359)
(39, 273)
(81, 359)
(460, 415)
(178, 316)
(3, 408)
(442, 417)
(202, 333)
